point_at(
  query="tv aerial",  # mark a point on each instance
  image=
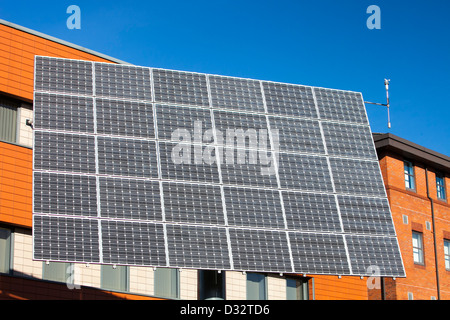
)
(386, 84)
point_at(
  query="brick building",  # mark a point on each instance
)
(23, 278)
(417, 184)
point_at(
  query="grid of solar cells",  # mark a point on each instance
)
(304, 172)
(127, 157)
(197, 247)
(176, 123)
(340, 106)
(178, 162)
(283, 200)
(253, 208)
(124, 118)
(193, 203)
(68, 194)
(124, 82)
(319, 253)
(65, 239)
(366, 215)
(64, 152)
(133, 243)
(349, 140)
(63, 76)
(180, 87)
(61, 112)
(357, 177)
(311, 212)
(379, 252)
(130, 199)
(236, 94)
(260, 250)
(289, 100)
(298, 135)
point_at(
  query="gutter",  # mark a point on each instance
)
(434, 237)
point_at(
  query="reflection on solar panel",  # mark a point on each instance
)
(151, 167)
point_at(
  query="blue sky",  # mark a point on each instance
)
(318, 43)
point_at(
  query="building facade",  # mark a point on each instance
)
(417, 184)
(23, 278)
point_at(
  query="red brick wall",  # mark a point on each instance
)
(420, 279)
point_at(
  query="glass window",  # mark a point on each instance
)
(297, 289)
(56, 271)
(114, 278)
(211, 285)
(409, 175)
(447, 254)
(417, 243)
(5, 250)
(8, 120)
(256, 286)
(166, 282)
(440, 186)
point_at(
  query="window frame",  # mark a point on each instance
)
(447, 254)
(124, 269)
(420, 248)
(156, 277)
(302, 287)
(411, 176)
(10, 251)
(440, 188)
(264, 282)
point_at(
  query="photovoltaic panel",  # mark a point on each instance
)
(289, 100)
(124, 118)
(181, 203)
(133, 243)
(64, 152)
(66, 113)
(65, 194)
(130, 199)
(320, 253)
(197, 247)
(298, 135)
(236, 94)
(65, 239)
(311, 211)
(255, 249)
(163, 168)
(248, 207)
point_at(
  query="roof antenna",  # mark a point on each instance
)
(386, 84)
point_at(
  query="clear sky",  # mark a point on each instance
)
(323, 43)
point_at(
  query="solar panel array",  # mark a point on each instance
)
(132, 166)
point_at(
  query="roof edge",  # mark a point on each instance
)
(411, 149)
(65, 43)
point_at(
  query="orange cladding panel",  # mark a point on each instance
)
(17, 51)
(15, 184)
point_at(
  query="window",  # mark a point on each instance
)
(114, 278)
(417, 243)
(8, 120)
(5, 250)
(211, 284)
(447, 254)
(256, 286)
(166, 282)
(440, 186)
(57, 271)
(297, 289)
(409, 175)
